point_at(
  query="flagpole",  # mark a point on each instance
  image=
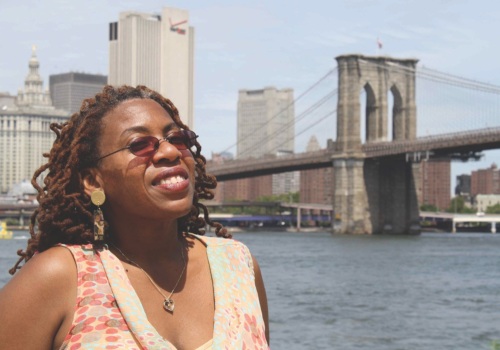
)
(379, 46)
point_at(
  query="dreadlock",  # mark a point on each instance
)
(64, 214)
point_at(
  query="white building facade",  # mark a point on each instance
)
(24, 129)
(156, 50)
(266, 120)
(483, 201)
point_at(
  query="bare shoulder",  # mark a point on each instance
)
(38, 300)
(55, 265)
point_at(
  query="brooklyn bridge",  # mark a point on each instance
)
(376, 157)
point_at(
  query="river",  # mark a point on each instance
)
(433, 291)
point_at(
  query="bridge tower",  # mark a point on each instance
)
(375, 195)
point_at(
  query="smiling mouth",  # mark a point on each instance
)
(171, 180)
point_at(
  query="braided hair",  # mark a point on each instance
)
(65, 213)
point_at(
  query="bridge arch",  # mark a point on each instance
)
(377, 76)
(364, 200)
(397, 118)
(370, 121)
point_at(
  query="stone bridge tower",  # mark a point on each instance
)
(375, 195)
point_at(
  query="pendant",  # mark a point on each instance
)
(169, 305)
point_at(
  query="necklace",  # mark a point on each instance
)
(168, 302)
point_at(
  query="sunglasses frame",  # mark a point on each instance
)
(188, 136)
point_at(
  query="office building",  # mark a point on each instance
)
(266, 120)
(156, 50)
(24, 128)
(463, 185)
(68, 90)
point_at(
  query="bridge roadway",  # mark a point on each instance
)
(462, 143)
(492, 219)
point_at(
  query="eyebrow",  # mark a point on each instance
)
(143, 129)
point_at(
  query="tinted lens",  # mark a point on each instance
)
(182, 139)
(144, 146)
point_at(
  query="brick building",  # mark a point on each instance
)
(485, 181)
(436, 182)
(316, 185)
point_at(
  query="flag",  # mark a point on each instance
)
(379, 43)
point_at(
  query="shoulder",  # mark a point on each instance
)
(56, 263)
(46, 272)
(210, 241)
(228, 245)
(43, 291)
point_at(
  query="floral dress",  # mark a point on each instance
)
(109, 314)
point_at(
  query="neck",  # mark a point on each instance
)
(146, 240)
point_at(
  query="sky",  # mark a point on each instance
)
(254, 44)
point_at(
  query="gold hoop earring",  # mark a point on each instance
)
(98, 198)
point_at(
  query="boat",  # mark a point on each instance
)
(4, 234)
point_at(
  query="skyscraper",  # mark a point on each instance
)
(265, 122)
(24, 128)
(156, 50)
(68, 90)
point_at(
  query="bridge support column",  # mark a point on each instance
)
(493, 227)
(349, 199)
(376, 196)
(299, 218)
(398, 197)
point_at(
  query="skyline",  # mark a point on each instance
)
(238, 46)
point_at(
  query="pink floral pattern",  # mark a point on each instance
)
(109, 315)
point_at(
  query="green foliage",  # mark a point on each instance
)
(12, 222)
(428, 207)
(457, 205)
(493, 209)
(292, 197)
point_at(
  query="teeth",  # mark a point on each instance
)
(171, 180)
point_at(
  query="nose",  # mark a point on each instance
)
(166, 151)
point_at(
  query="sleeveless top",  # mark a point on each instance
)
(109, 314)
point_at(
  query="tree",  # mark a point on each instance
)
(493, 209)
(457, 205)
(428, 207)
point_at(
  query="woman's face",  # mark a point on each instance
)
(154, 187)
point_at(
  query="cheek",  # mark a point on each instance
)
(186, 153)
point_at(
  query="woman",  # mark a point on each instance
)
(118, 260)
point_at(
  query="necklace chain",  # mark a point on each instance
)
(168, 303)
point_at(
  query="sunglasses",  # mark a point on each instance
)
(146, 146)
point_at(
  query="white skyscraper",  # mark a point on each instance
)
(265, 122)
(24, 128)
(156, 50)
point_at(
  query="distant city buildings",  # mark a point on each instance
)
(436, 183)
(24, 128)
(265, 128)
(68, 90)
(266, 120)
(485, 181)
(316, 185)
(156, 50)
(462, 187)
(483, 201)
